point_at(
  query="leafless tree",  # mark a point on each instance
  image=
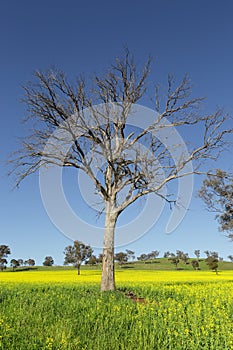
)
(129, 172)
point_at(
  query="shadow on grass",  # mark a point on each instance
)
(127, 267)
(22, 269)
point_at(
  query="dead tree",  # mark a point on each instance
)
(128, 171)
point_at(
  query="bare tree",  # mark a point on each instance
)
(128, 172)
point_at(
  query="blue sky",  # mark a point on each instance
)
(193, 37)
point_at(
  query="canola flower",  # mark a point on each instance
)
(122, 276)
(60, 310)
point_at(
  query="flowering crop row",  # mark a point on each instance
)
(180, 311)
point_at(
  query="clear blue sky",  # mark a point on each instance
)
(193, 37)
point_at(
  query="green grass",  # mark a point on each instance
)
(157, 264)
(52, 308)
(192, 316)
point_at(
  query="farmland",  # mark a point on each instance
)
(56, 309)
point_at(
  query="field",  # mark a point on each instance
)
(56, 309)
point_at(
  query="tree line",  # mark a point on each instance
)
(5, 251)
(16, 263)
(80, 253)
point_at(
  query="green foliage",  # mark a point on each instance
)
(217, 193)
(195, 264)
(121, 258)
(4, 252)
(48, 261)
(29, 262)
(182, 256)
(197, 253)
(3, 263)
(21, 262)
(77, 254)
(93, 260)
(212, 262)
(130, 254)
(149, 256)
(14, 263)
(174, 260)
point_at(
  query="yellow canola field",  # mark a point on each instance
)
(61, 310)
(122, 276)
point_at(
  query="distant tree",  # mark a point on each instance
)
(121, 258)
(174, 259)
(182, 256)
(217, 193)
(195, 264)
(130, 254)
(166, 254)
(48, 261)
(77, 254)
(212, 262)
(214, 254)
(230, 257)
(179, 253)
(100, 259)
(142, 257)
(14, 263)
(185, 258)
(21, 262)
(92, 260)
(153, 255)
(207, 253)
(29, 262)
(3, 263)
(197, 253)
(4, 251)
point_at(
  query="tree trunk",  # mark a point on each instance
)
(108, 274)
(79, 265)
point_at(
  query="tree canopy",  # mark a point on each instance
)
(77, 253)
(217, 193)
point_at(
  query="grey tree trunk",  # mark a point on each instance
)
(108, 274)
